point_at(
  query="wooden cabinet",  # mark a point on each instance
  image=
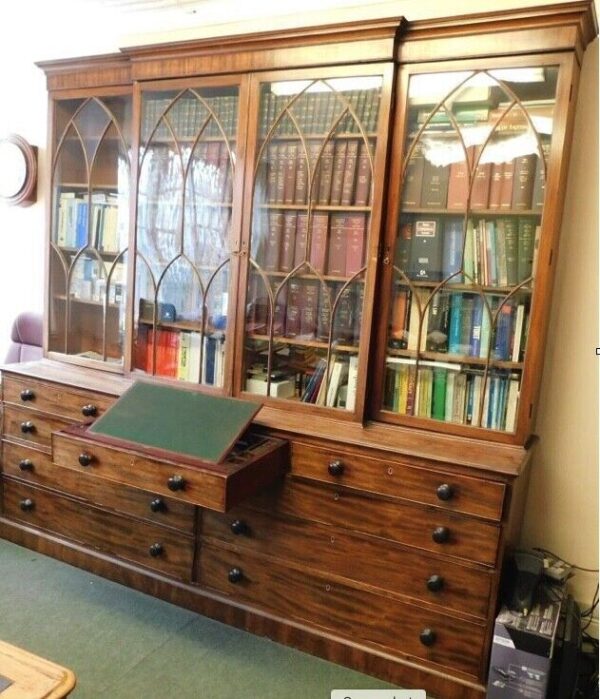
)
(355, 226)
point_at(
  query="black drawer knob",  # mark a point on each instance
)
(445, 492)
(85, 459)
(435, 583)
(27, 427)
(156, 550)
(336, 468)
(235, 575)
(158, 505)
(26, 465)
(176, 483)
(27, 394)
(89, 410)
(238, 527)
(440, 535)
(27, 505)
(427, 637)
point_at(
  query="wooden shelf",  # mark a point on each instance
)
(315, 207)
(89, 302)
(293, 341)
(472, 213)
(471, 288)
(326, 277)
(447, 358)
(316, 136)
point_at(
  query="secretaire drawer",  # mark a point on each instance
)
(366, 559)
(76, 404)
(147, 544)
(31, 426)
(390, 477)
(37, 468)
(428, 528)
(366, 617)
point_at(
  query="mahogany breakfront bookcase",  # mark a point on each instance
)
(356, 226)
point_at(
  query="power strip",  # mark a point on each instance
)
(556, 570)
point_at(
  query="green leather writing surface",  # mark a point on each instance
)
(177, 420)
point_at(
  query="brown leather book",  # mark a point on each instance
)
(413, 178)
(325, 173)
(496, 177)
(458, 186)
(336, 256)
(300, 243)
(318, 245)
(362, 194)
(434, 189)
(274, 237)
(289, 179)
(280, 167)
(338, 172)
(288, 243)
(293, 308)
(272, 150)
(301, 177)
(309, 302)
(506, 190)
(523, 181)
(350, 165)
(398, 318)
(356, 225)
(480, 193)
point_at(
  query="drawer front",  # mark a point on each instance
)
(446, 490)
(363, 559)
(37, 468)
(127, 468)
(357, 615)
(395, 520)
(57, 399)
(30, 426)
(147, 544)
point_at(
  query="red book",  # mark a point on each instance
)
(349, 172)
(496, 177)
(336, 257)
(318, 243)
(458, 186)
(301, 234)
(274, 237)
(363, 176)
(480, 193)
(355, 242)
(289, 180)
(314, 174)
(325, 174)
(293, 308)
(338, 173)
(309, 302)
(288, 244)
(399, 316)
(507, 185)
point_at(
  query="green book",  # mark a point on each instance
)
(511, 247)
(438, 411)
(525, 247)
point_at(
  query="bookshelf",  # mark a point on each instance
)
(355, 227)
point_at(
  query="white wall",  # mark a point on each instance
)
(562, 512)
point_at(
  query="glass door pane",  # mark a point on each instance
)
(311, 218)
(90, 224)
(184, 241)
(475, 154)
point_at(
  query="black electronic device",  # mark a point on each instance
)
(523, 574)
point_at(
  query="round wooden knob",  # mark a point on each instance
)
(445, 492)
(85, 459)
(336, 468)
(427, 637)
(27, 505)
(235, 575)
(176, 483)
(27, 427)
(156, 550)
(435, 583)
(27, 394)
(238, 526)
(440, 535)
(89, 410)
(158, 505)
(26, 465)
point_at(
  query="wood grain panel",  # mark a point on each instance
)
(42, 425)
(398, 479)
(364, 616)
(364, 559)
(123, 499)
(105, 531)
(53, 398)
(404, 523)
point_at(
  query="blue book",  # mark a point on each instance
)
(502, 343)
(81, 237)
(210, 351)
(455, 332)
(453, 250)
(476, 326)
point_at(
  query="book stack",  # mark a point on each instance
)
(334, 385)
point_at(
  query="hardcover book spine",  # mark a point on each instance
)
(413, 178)
(349, 179)
(363, 176)
(506, 190)
(326, 173)
(286, 261)
(336, 258)
(318, 244)
(355, 234)
(523, 181)
(338, 173)
(434, 191)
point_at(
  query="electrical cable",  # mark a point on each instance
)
(560, 558)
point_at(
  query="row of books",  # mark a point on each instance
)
(497, 252)
(317, 112)
(187, 356)
(515, 184)
(452, 394)
(337, 242)
(187, 115)
(302, 310)
(340, 170)
(89, 282)
(106, 230)
(460, 324)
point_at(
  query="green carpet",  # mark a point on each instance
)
(123, 644)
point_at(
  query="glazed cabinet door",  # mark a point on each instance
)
(313, 202)
(189, 185)
(89, 227)
(477, 153)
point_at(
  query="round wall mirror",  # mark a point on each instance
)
(18, 171)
